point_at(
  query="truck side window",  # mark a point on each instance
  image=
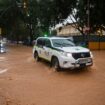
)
(47, 43)
(40, 42)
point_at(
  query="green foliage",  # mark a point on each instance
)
(96, 13)
(12, 20)
(52, 11)
(48, 13)
(40, 15)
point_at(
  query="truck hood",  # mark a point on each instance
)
(74, 49)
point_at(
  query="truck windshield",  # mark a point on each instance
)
(62, 43)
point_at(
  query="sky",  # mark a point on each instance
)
(65, 21)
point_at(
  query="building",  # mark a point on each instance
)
(95, 41)
(68, 30)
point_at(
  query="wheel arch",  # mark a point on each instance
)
(53, 56)
(57, 60)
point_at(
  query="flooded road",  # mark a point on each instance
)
(26, 82)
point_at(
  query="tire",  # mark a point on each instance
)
(55, 64)
(36, 57)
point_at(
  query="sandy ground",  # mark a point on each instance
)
(26, 82)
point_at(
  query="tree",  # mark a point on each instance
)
(91, 13)
(55, 10)
(12, 19)
(37, 14)
(9, 14)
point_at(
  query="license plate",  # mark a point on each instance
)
(83, 61)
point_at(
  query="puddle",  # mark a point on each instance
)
(3, 71)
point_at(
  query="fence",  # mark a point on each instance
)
(94, 42)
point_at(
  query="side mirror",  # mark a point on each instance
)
(34, 42)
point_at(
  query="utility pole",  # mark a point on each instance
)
(88, 22)
(88, 14)
(88, 19)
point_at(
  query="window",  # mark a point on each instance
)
(62, 43)
(40, 42)
(47, 43)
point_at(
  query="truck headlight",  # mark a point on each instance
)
(69, 54)
(66, 54)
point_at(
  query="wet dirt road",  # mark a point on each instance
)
(26, 82)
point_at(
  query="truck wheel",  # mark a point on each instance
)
(55, 64)
(36, 56)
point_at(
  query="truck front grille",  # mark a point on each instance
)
(81, 55)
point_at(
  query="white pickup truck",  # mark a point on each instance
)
(62, 53)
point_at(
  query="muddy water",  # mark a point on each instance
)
(26, 82)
